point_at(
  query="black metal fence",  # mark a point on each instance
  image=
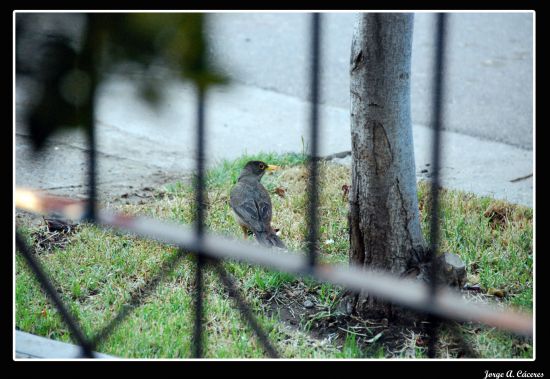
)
(209, 249)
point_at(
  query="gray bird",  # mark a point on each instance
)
(251, 204)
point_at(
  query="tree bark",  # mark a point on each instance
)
(385, 231)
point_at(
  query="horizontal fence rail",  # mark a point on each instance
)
(446, 302)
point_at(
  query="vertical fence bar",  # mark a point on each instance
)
(75, 330)
(438, 92)
(199, 224)
(86, 61)
(92, 192)
(314, 139)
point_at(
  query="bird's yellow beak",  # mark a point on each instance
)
(272, 167)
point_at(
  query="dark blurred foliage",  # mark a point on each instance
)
(65, 69)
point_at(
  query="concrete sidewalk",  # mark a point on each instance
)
(142, 147)
(30, 346)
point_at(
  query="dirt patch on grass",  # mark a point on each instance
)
(50, 232)
(140, 196)
(53, 234)
(300, 307)
(498, 214)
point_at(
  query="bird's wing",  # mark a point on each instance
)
(254, 209)
(250, 213)
(264, 211)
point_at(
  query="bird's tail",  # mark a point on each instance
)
(269, 239)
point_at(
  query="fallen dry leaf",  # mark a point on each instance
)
(58, 225)
(496, 292)
(280, 191)
(475, 287)
(345, 191)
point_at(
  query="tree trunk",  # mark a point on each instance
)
(385, 231)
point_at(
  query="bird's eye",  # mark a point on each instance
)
(262, 166)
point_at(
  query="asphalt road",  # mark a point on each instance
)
(490, 66)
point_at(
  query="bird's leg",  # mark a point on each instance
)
(245, 231)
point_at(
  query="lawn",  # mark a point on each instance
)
(97, 271)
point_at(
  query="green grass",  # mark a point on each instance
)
(96, 273)
(497, 255)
